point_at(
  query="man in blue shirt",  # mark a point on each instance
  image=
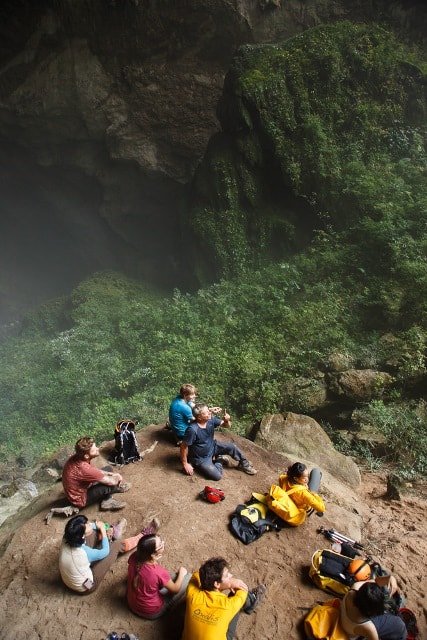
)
(200, 449)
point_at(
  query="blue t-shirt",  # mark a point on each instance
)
(94, 554)
(180, 416)
(201, 443)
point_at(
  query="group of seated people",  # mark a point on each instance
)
(89, 549)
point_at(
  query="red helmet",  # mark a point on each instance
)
(211, 494)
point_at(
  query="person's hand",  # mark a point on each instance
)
(101, 527)
(182, 571)
(226, 416)
(236, 583)
(118, 477)
(188, 468)
(215, 410)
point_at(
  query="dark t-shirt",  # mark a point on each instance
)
(201, 441)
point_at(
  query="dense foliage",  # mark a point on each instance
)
(332, 121)
(325, 131)
(113, 349)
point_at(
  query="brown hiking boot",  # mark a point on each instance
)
(257, 596)
(110, 504)
(245, 465)
(224, 460)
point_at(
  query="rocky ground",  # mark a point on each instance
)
(36, 606)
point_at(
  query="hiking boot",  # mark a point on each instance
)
(245, 465)
(122, 487)
(258, 594)
(152, 528)
(119, 528)
(110, 504)
(224, 460)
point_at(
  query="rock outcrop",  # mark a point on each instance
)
(106, 109)
(36, 605)
(300, 438)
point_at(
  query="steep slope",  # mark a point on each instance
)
(36, 606)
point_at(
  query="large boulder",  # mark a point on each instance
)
(359, 385)
(299, 437)
(305, 394)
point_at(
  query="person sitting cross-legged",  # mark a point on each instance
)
(84, 484)
(363, 615)
(200, 450)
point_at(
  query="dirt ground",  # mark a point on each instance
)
(36, 605)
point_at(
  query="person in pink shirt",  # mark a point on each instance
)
(151, 591)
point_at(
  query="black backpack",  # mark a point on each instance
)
(126, 445)
(249, 521)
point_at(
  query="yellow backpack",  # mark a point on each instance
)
(328, 571)
(323, 622)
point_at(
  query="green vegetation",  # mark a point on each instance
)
(118, 351)
(323, 151)
(324, 131)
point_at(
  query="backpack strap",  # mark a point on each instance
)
(265, 521)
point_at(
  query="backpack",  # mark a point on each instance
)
(126, 445)
(410, 620)
(212, 494)
(328, 571)
(331, 572)
(323, 621)
(249, 521)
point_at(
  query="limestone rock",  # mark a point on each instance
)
(305, 394)
(301, 438)
(359, 385)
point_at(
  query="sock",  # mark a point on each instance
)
(131, 543)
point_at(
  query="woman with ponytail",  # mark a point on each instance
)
(151, 590)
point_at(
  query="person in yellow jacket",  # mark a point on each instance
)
(304, 485)
(210, 613)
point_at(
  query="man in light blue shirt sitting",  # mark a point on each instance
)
(180, 411)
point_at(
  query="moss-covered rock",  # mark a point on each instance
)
(312, 133)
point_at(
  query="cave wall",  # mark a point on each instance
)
(106, 109)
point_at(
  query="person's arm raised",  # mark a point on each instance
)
(226, 420)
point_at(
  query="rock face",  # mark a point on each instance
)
(302, 439)
(360, 386)
(106, 109)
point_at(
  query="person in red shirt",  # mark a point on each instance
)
(84, 484)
